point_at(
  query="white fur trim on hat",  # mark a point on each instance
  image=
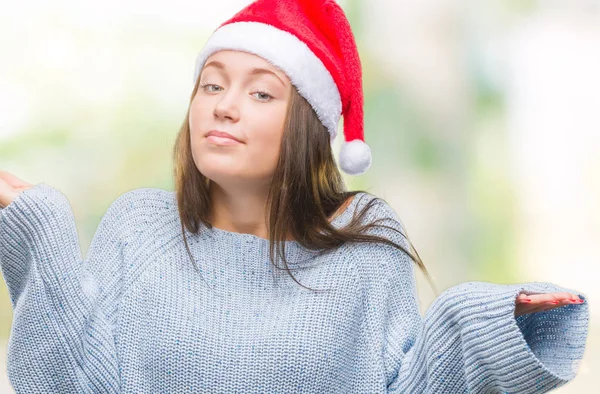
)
(355, 157)
(284, 50)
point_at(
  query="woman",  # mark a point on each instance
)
(204, 289)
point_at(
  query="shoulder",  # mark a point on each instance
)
(136, 209)
(144, 198)
(377, 210)
(378, 257)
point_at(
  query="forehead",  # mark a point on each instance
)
(240, 60)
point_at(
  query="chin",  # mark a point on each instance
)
(221, 177)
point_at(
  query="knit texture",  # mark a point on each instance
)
(134, 316)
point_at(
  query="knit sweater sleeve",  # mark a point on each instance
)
(469, 340)
(62, 335)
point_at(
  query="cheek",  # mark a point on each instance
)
(197, 113)
(198, 122)
(265, 140)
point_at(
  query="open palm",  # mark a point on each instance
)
(10, 187)
(541, 302)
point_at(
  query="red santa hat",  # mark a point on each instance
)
(312, 42)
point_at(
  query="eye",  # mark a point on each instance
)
(202, 86)
(263, 93)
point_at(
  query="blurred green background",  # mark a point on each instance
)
(482, 119)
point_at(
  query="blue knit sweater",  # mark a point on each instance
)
(135, 317)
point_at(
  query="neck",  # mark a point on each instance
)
(246, 212)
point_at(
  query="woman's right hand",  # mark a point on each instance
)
(10, 187)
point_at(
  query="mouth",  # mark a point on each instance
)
(221, 137)
(222, 140)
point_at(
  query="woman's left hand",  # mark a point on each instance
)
(543, 302)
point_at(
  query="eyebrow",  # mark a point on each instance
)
(253, 71)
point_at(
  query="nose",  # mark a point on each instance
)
(227, 106)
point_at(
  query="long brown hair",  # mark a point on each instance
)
(307, 189)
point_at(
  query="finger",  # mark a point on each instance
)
(526, 303)
(548, 297)
(541, 301)
(574, 297)
(523, 298)
(7, 194)
(13, 180)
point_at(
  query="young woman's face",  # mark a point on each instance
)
(237, 96)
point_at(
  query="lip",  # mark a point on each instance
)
(220, 135)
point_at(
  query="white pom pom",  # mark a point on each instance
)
(355, 157)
